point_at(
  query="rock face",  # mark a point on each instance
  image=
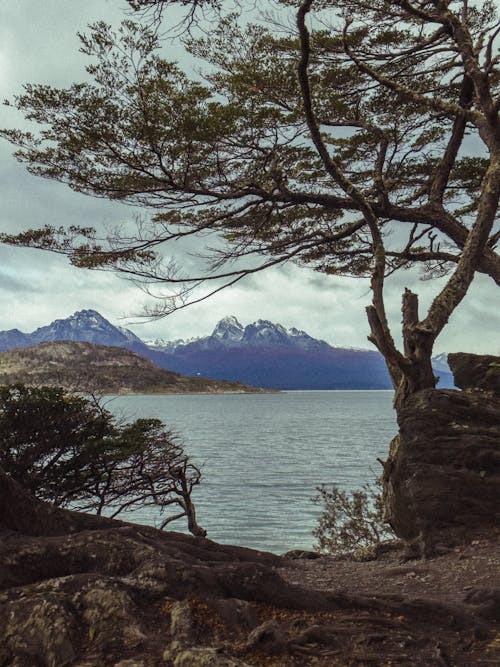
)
(442, 478)
(474, 371)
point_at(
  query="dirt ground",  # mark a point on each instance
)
(451, 577)
(461, 579)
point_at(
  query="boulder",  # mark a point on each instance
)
(474, 371)
(442, 478)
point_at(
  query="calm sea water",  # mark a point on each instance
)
(263, 455)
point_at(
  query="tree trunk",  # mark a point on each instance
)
(417, 372)
(412, 371)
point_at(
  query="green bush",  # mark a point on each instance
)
(350, 520)
(70, 451)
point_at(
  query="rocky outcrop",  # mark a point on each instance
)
(442, 478)
(475, 371)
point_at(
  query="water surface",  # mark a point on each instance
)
(263, 455)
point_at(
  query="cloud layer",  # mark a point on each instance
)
(38, 43)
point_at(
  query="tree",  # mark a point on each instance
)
(68, 450)
(362, 141)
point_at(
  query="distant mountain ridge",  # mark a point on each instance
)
(262, 354)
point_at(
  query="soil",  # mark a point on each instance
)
(450, 577)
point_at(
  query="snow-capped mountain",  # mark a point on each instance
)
(264, 332)
(275, 357)
(263, 354)
(160, 344)
(86, 326)
(229, 333)
(266, 354)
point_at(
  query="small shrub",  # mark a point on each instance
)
(350, 520)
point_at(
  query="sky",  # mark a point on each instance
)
(38, 44)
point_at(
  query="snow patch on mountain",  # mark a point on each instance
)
(130, 336)
(228, 330)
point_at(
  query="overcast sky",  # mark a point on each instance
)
(38, 44)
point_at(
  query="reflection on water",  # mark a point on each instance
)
(262, 456)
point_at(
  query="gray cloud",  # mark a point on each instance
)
(10, 284)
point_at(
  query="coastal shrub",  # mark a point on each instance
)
(350, 520)
(69, 450)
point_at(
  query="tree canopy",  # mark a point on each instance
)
(357, 138)
(70, 451)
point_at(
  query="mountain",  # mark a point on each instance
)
(440, 363)
(263, 354)
(13, 338)
(269, 355)
(82, 366)
(272, 356)
(230, 334)
(86, 326)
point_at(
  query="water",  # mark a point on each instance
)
(263, 455)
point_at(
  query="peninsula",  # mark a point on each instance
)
(79, 366)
